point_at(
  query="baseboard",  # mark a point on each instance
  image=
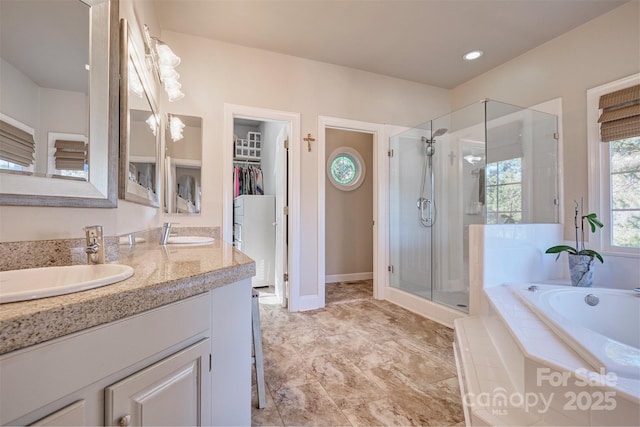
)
(431, 310)
(350, 277)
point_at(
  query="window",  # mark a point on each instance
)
(346, 169)
(624, 183)
(17, 146)
(504, 191)
(67, 157)
(614, 160)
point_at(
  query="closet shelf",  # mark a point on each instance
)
(243, 160)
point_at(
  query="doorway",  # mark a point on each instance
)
(376, 222)
(348, 215)
(261, 195)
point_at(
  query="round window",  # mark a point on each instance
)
(345, 168)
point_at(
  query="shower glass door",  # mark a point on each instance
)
(410, 242)
(487, 163)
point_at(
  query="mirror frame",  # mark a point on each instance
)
(101, 189)
(127, 52)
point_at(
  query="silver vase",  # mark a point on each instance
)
(581, 270)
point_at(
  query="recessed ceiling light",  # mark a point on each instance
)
(474, 54)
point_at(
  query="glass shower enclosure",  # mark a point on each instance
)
(488, 163)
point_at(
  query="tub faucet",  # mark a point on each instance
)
(95, 244)
(166, 230)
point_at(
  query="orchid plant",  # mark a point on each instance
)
(580, 249)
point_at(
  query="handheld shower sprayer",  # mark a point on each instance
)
(427, 204)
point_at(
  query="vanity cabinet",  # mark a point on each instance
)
(185, 363)
(170, 392)
(72, 415)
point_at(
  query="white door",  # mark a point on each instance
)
(282, 219)
(291, 193)
(168, 393)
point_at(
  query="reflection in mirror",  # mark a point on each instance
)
(183, 162)
(55, 139)
(140, 128)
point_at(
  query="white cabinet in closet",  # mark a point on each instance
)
(254, 233)
(250, 148)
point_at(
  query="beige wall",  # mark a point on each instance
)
(602, 50)
(214, 73)
(349, 214)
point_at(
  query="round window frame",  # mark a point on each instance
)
(358, 161)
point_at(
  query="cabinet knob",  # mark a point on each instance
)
(124, 421)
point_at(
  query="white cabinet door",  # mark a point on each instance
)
(72, 415)
(169, 392)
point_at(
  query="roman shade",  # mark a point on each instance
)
(620, 116)
(16, 145)
(70, 155)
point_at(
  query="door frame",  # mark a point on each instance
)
(231, 112)
(380, 179)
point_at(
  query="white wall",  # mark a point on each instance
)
(511, 253)
(20, 95)
(602, 50)
(45, 110)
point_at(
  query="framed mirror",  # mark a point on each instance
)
(139, 172)
(183, 164)
(59, 107)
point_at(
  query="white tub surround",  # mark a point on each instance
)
(510, 253)
(515, 370)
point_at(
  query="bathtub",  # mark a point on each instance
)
(601, 325)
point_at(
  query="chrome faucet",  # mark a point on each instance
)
(166, 230)
(95, 244)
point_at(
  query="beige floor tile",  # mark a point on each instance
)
(344, 292)
(308, 404)
(343, 380)
(381, 412)
(267, 416)
(282, 365)
(441, 405)
(358, 361)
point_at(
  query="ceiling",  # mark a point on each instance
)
(48, 41)
(420, 40)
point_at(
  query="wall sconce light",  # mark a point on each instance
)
(164, 62)
(472, 159)
(152, 121)
(175, 127)
(135, 85)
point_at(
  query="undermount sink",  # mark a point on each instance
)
(189, 240)
(33, 283)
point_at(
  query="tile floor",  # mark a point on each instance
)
(358, 361)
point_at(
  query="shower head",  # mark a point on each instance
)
(438, 132)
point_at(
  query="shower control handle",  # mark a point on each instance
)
(421, 203)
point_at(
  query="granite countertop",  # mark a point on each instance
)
(163, 274)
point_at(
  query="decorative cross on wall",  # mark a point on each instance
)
(309, 140)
